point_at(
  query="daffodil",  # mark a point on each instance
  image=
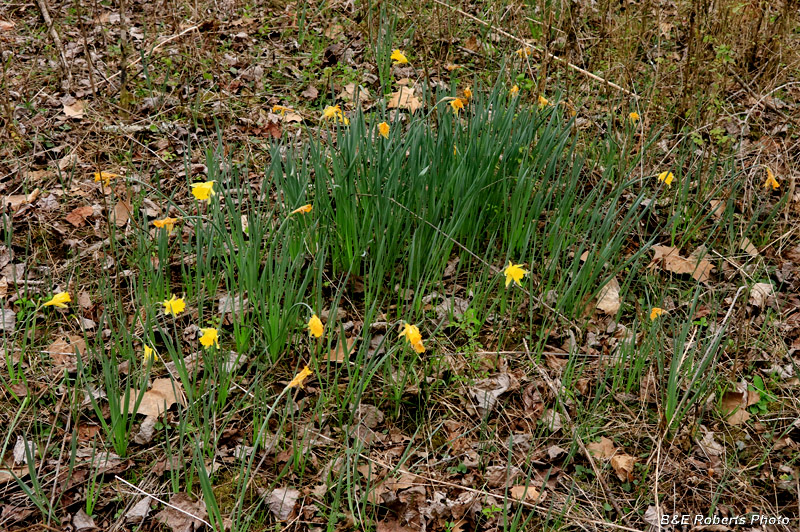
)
(457, 104)
(305, 209)
(468, 93)
(315, 327)
(383, 129)
(655, 312)
(771, 181)
(399, 58)
(299, 378)
(280, 109)
(149, 353)
(334, 112)
(514, 272)
(666, 177)
(105, 177)
(168, 223)
(513, 91)
(543, 102)
(412, 335)
(59, 300)
(203, 191)
(174, 306)
(634, 117)
(210, 337)
(524, 52)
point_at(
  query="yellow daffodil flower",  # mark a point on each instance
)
(334, 112)
(383, 129)
(457, 104)
(59, 300)
(149, 353)
(543, 102)
(315, 327)
(168, 223)
(524, 52)
(305, 209)
(634, 117)
(513, 91)
(105, 177)
(399, 58)
(203, 191)
(174, 306)
(655, 313)
(280, 109)
(771, 181)
(210, 337)
(413, 336)
(514, 272)
(299, 378)
(666, 177)
(468, 93)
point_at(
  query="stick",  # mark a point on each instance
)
(56, 39)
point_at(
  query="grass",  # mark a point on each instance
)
(517, 385)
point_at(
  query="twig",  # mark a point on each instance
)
(577, 437)
(210, 527)
(548, 54)
(56, 40)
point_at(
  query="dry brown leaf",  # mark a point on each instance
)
(64, 352)
(668, 258)
(608, 299)
(759, 294)
(157, 399)
(717, 208)
(5, 25)
(522, 493)
(733, 407)
(340, 353)
(748, 247)
(74, 110)
(15, 201)
(122, 213)
(603, 448)
(623, 466)
(78, 216)
(290, 117)
(179, 521)
(404, 99)
(281, 502)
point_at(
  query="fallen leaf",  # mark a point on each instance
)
(64, 352)
(486, 392)
(159, 398)
(404, 99)
(759, 294)
(122, 213)
(8, 318)
(139, 511)
(281, 502)
(608, 300)
(74, 110)
(340, 353)
(78, 216)
(623, 466)
(748, 247)
(603, 448)
(668, 258)
(355, 93)
(522, 493)
(552, 420)
(733, 406)
(146, 430)
(15, 201)
(709, 446)
(20, 453)
(393, 525)
(81, 522)
(179, 521)
(310, 93)
(6, 25)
